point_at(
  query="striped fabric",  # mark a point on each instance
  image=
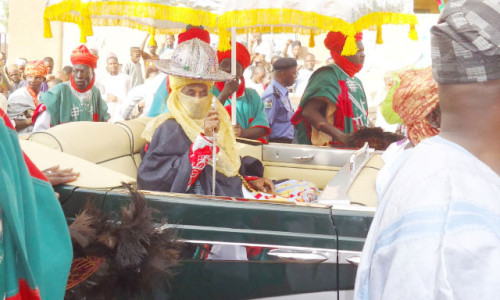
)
(436, 233)
(466, 42)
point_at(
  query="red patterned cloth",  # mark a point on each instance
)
(33, 95)
(413, 100)
(36, 68)
(199, 156)
(82, 56)
(242, 55)
(334, 42)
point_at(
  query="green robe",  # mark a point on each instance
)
(35, 246)
(249, 109)
(346, 93)
(63, 105)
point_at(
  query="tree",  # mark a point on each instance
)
(4, 14)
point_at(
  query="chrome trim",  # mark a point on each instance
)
(365, 157)
(299, 154)
(352, 159)
(325, 295)
(355, 260)
(304, 158)
(358, 208)
(330, 254)
(302, 256)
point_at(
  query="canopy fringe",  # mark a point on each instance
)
(413, 33)
(47, 30)
(311, 40)
(277, 20)
(379, 35)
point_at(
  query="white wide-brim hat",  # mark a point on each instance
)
(194, 59)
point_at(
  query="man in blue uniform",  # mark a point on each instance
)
(276, 102)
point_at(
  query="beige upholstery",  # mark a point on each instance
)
(251, 148)
(91, 175)
(363, 190)
(134, 129)
(115, 146)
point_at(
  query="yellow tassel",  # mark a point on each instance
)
(224, 37)
(413, 33)
(83, 38)
(152, 41)
(83, 32)
(86, 27)
(311, 40)
(350, 47)
(379, 35)
(47, 30)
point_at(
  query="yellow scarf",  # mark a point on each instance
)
(228, 160)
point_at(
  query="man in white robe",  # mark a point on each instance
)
(436, 233)
(114, 87)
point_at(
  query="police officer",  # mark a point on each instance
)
(276, 102)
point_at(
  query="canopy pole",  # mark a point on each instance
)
(214, 150)
(233, 72)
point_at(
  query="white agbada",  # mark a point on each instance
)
(117, 85)
(302, 79)
(436, 233)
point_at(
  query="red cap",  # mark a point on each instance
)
(194, 33)
(335, 40)
(82, 56)
(242, 55)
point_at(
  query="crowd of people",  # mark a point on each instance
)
(30, 91)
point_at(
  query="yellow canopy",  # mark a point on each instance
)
(219, 16)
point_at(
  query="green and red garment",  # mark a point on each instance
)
(346, 93)
(35, 246)
(72, 109)
(249, 108)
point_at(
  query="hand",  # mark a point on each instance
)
(57, 176)
(142, 104)
(29, 113)
(264, 185)
(289, 42)
(211, 123)
(111, 98)
(237, 130)
(229, 88)
(343, 138)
